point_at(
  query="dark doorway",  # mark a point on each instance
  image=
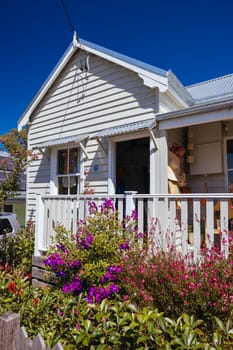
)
(132, 166)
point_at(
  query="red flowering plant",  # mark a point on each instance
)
(91, 260)
(14, 289)
(175, 284)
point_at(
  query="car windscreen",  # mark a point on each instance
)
(5, 226)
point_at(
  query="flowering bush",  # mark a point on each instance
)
(91, 260)
(14, 288)
(174, 284)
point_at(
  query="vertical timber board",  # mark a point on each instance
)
(9, 327)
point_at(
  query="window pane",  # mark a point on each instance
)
(62, 162)
(68, 185)
(73, 161)
(230, 177)
(73, 184)
(63, 185)
(230, 154)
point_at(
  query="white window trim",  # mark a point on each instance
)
(53, 167)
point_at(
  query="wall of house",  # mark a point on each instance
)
(81, 102)
(206, 172)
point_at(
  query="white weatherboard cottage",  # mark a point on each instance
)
(106, 125)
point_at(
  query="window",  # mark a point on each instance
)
(68, 171)
(229, 148)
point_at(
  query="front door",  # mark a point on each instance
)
(132, 166)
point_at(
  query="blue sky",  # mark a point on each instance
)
(192, 38)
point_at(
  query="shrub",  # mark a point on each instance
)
(91, 260)
(14, 289)
(17, 250)
(168, 282)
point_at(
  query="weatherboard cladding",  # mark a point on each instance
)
(86, 103)
(212, 89)
(135, 65)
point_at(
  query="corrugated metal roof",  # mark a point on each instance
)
(62, 141)
(212, 89)
(126, 128)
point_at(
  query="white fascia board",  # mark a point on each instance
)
(23, 120)
(190, 119)
(150, 79)
(177, 89)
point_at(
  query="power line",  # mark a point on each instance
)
(67, 15)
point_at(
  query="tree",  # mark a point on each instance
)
(13, 166)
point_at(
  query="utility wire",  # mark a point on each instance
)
(67, 15)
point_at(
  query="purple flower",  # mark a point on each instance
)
(60, 313)
(60, 274)
(111, 273)
(75, 264)
(97, 294)
(125, 246)
(114, 288)
(108, 276)
(102, 279)
(92, 207)
(66, 288)
(75, 286)
(62, 248)
(114, 269)
(54, 261)
(140, 235)
(85, 242)
(134, 215)
(107, 204)
(75, 311)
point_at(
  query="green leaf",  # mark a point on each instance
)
(133, 308)
(219, 323)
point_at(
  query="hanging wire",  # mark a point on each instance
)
(68, 16)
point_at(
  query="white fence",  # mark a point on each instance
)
(189, 219)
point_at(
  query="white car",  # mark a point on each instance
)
(8, 224)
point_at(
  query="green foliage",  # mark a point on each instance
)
(165, 302)
(17, 250)
(94, 256)
(14, 289)
(170, 283)
(16, 144)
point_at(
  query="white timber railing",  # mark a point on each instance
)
(188, 221)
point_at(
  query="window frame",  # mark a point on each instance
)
(54, 176)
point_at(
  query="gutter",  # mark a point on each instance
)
(200, 108)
